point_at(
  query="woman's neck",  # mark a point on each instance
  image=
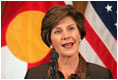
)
(68, 65)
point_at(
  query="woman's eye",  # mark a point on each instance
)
(57, 32)
(71, 28)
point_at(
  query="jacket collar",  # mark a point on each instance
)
(82, 71)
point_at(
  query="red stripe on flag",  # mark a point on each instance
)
(100, 49)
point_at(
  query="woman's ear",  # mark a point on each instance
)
(51, 47)
(80, 40)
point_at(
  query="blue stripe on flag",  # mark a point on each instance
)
(107, 12)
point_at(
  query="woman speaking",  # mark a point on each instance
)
(62, 30)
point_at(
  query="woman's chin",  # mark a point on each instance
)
(68, 54)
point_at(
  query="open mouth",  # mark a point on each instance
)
(68, 45)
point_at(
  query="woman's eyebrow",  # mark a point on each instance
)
(70, 25)
(59, 27)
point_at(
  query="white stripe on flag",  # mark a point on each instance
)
(88, 53)
(11, 67)
(98, 27)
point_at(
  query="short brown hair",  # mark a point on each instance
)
(55, 14)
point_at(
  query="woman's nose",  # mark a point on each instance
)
(65, 36)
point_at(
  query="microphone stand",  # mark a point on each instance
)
(53, 61)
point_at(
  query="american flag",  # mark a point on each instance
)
(100, 43)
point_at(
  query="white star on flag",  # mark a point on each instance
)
(115, 25)
(108, 7)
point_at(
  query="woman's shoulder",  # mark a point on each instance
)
(97, 71)
(42, 66)
(37, 72)
(95, 66)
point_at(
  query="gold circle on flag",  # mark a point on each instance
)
(23, 36)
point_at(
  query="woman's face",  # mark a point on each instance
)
(65, 37)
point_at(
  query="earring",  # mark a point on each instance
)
(80, 40)
(51, 47)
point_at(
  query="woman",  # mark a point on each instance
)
(62, 30)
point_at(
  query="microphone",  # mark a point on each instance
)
(53, 60)
(74, 76)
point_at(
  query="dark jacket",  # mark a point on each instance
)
(93, 71)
